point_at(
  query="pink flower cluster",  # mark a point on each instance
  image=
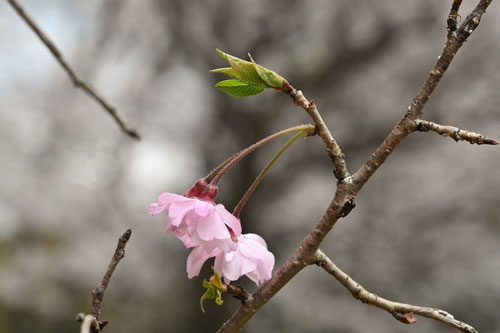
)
(215, 232)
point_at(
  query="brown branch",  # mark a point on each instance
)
(98, 292)
(303, 256)
(401, 311)
(77, 81)
(348, 187)
(472, 21)
(452, 17)
(407, 124)
(332, 147)
(238, 292)
(455, 133)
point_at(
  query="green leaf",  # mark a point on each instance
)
(251, 78)
(237, 88)
(215, 287)
(242, 70)
(226, 70)
(271, 78)
(216, 280)
(208, 294)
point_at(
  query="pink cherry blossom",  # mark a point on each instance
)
(198, 222)
(197, 258)
(251, 258)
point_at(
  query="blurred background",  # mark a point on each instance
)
(425, 230)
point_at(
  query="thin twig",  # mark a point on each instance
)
(332, 146)
(251, 189)
(455, 133)
(348, 187)
(89, 325)
(452, 17)
(407, 125)
(472, 21)
(401, 311)
(98, 292)
(77, 81)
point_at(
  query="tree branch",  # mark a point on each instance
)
(77, 81)
(401, 311)
(455, 133)
(407, 125)
(348, 187)
(303, 256)
(89, 324)
(332, 147)
(452, 17)
(238, 292)
(98, 292)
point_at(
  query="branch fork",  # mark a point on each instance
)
(455, 133)
(401, 311)
(349, 186)
(92, 322)
(332, 146)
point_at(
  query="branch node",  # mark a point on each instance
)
(405, 318)
(311, 104)
(239, 293)
(421, 127)
(103, 324)
(332, 147)
(314, 132)
(472, 20)
(455, 133)
(349, 187)
(401, 311)
(347, 207)
(452, 17)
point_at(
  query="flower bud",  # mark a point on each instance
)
(210, 192)
(197, 189)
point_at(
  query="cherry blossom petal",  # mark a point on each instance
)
(205, 227)
(211, 227)
(188, 242)
(247, 265)
(196, 259)
(166, 198)
(203, 208)
(155, 209)
(229, 256)
(226, 245)
(256, 238)
(218, 265)
(178, 210)
(250, 248)
(212, 230)
(229, 219)
(255, 277)
(231, 270)
(251, 258)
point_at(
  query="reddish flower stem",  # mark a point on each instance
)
(251, 189)
(216, 175)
